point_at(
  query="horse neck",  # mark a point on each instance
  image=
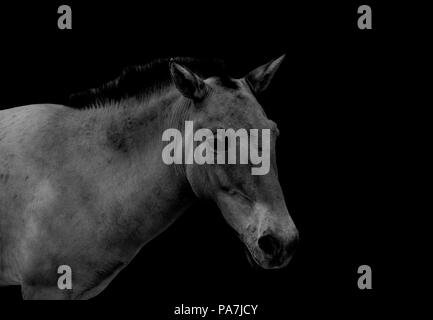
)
(139, 185)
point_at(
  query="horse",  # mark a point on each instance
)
(83, 185)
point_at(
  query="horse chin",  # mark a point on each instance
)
(258, 264)
(253, 263)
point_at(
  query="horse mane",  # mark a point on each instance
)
(145, 80)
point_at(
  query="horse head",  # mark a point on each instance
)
(252, 204)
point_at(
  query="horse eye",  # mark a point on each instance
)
(217, 141)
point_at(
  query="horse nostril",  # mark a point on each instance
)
(269, 244)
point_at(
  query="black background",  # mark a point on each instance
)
(330, 99)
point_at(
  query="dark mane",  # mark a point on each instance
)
(142, 81)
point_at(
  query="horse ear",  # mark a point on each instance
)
(260, 78)
(187, 82)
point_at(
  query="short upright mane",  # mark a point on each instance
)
(142, 81)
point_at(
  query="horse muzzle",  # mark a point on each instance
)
(274, 252)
